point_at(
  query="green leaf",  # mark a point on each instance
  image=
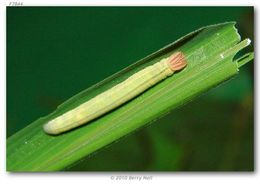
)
(210, 55)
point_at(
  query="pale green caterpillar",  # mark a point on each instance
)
(117, 95)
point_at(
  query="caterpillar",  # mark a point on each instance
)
(117, 95)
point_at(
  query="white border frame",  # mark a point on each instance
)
(87, 178)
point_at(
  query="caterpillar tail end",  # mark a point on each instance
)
(48, 128)
(177, 61)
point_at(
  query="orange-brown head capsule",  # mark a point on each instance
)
(177, 61)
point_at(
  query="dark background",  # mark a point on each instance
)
(54, 53)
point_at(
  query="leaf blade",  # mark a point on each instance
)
(32, 150)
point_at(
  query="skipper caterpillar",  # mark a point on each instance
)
(117, 95)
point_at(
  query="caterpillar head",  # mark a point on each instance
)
(177, 61)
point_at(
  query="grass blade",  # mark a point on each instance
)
(210, 52)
